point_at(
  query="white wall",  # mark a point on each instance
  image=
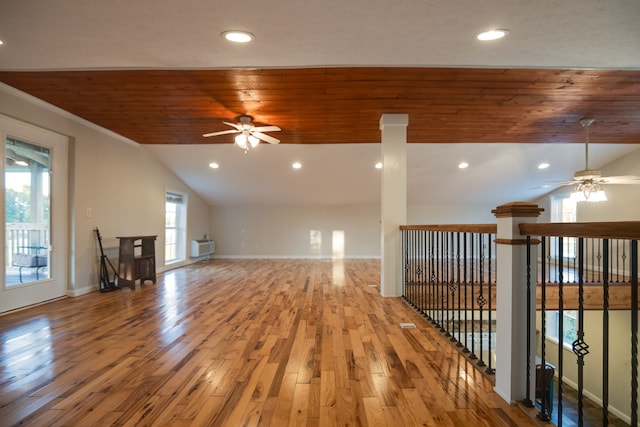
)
(301, 231)
(286, 231)
(122, 184)
(450, 214)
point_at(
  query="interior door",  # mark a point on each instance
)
(35, 220)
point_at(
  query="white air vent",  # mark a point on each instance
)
(202, 248)
(407, 325)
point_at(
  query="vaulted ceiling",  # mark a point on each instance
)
(158, 73)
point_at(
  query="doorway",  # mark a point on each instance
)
(35, 207)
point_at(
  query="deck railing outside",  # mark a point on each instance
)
(24, 238)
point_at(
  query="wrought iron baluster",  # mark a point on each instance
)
(404, 262)
(459, 282)
(481, 300)
(579, 346)
(445, 284)
(473, 293)
(543, 414)
(409, 264)
(625, 268)
(425, 277)
(416, 269)
(442, 280)
(432, 276)
(490, 369)
(560, 325)
(605, 332)
(466, 297)
(634, 330)
(452, 284)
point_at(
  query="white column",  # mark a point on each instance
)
(394, 200)
(511, 304)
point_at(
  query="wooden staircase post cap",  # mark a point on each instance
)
(517, 209)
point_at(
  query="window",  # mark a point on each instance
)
(570, 326)
(175, 227)
(563, 209)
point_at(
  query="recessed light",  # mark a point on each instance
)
(237, 36)
(379, 165)
(492, 35)
(543, 165)
(214, 165)
(1, 42)
(463, 165)
(296, 165)
(21, 163)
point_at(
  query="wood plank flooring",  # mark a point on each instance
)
(240, 343)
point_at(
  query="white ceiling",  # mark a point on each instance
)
(141, 34)
(345, 173)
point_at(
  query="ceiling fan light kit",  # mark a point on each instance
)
(250, 135)
(590, 181)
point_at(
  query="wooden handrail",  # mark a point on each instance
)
(628, 230)
(463, 228)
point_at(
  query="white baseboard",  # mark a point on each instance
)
(311, 257)
(82, 291)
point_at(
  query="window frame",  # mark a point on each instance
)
(177, 227)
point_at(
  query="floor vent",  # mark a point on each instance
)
(407, 325)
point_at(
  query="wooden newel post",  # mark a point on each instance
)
(511, 305)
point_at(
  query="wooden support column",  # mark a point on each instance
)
(511, 304)
(394, 200)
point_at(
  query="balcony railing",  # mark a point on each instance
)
(25, 240)
(599, 281)
(449, 276)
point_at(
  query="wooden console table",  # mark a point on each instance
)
(137, 260)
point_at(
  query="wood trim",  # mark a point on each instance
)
(619, 296)
(462, 228)
(517, 209)
(445, 105)
(598, 230)
(512, 242)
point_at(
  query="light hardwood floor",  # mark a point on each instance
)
(235, 343)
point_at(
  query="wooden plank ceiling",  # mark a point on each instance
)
(344, 105)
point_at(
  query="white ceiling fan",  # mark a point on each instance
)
(589, 182)
(249, 135)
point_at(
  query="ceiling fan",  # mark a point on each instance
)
(249, 135)
(589, 182)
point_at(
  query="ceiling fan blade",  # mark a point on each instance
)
(560, 183)
(222, 132)
(554, 184)
(233, 125)
(267, 129)
(265, 138)
(626, 179)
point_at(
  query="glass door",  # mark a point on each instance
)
(35, 215)
(27, 206)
